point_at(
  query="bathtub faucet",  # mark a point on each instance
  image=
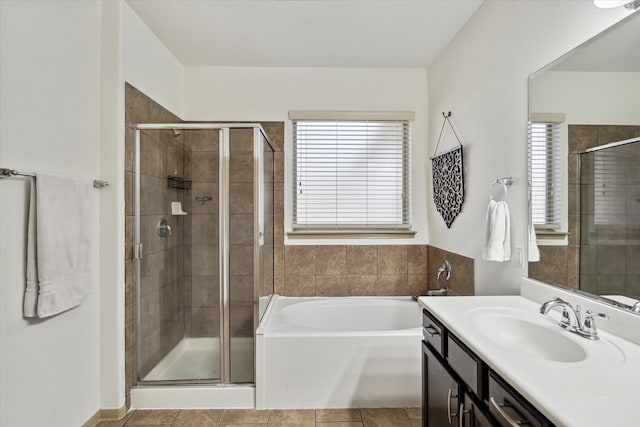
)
(433, 293)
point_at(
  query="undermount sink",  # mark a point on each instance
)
(518, 334)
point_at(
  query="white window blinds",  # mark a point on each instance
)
(351, 174)
(545, 174)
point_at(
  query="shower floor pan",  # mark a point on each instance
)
(199, 359)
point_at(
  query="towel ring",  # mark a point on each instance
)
(504, 182)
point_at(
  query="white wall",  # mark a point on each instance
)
(49, 112)
(482, 78)
(149, 65)
(130, 53)
(597, 98)
(263, 94)
(112, 292)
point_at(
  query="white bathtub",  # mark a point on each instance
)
(360, 352)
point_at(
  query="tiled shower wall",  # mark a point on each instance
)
(202, 315)
(162, 276)
(560, 264)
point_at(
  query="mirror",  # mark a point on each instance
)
(584, 167)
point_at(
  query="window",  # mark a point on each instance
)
(351, 172)
(545, 171)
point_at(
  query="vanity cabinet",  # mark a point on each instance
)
(459, 389)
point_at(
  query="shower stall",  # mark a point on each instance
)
(203, 250)
(610, 220)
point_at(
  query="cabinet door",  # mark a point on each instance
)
(441, 393)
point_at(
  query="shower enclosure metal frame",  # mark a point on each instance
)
(596, 149)
(224, 238)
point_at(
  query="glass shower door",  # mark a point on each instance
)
(176, 236)
(205, 253)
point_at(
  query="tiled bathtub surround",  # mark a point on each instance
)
(361, 270)
(560, 264)
(351, 270)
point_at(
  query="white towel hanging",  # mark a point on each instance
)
(60, 245)
(497, 245)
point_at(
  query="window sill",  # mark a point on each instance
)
(352, 234)
(546, 234)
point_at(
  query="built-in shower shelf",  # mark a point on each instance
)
(178, 183)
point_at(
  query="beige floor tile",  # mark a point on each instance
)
(340, 424)
(111, 423)
(243, 425)
(152, 418)
(414, 413)
(292, 417)
(416, 423)
(198, 418)
(385, 417)
(116, 423)
(240, 416)
(324, 415)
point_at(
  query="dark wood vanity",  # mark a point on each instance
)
(460, 389)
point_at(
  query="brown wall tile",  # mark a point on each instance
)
(364, 285)
(362, 260)
(462, 277)
(332, 286)
(392, 259)
(300, 286)
(299, 260)
(396, 285)
(417, 259)
(330, 260)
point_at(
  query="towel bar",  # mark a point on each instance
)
(6, 173)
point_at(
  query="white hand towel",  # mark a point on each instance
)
(59, 245)
(498, 234)
(534, 252)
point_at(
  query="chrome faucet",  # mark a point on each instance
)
(571, 318)
(636, 307)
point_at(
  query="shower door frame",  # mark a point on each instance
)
(602, 147)
(224, 240)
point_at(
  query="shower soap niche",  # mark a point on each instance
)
(176, 208)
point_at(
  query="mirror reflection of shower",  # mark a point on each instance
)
(610, 221)
(204, 269)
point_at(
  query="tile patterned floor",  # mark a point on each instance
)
(366, 417)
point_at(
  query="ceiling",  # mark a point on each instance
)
(614, 50)
(305, 33)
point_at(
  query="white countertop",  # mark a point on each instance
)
(603, 390)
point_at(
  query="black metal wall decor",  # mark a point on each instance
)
(448, 180)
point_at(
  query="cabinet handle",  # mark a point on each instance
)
(462, 411)
(449, 413)
(508, 419)
(431, 331)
